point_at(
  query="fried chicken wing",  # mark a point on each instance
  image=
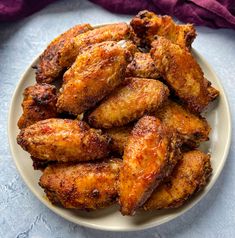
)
(39, 103)
(191, 128)
(182, 73)
(62, 52)
(148, 26)
(63, 140)
(94, 74)
(119, 137)
(142, 66)
(129, 102)
(190, 175)
(149, 156)
(111, 32)
(48, 67)
(82, 186)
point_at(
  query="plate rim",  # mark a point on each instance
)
(103, 227)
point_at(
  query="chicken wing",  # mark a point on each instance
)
(129, 102)
(119, 137)
(82, 186)
(148, 26)
(48, 67)
(191, 128)
(190, 175)
(63, 140)
(182, 73)
(142, 66)
(111, 32)
(149, 156)
(94, 74)
(39, 103)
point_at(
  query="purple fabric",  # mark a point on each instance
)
(11, 10)
(212, 13)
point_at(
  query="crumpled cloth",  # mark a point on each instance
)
(212, 13)
(11, 10)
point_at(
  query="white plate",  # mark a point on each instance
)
(110, 218)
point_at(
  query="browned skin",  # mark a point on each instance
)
(82, 186)
(149, 156)
(129, 102)
(119, 136)
(39, 164)
(142, 66)
(111, 32)
(212, 92)
(191, 128)
(63, 140)
(182, 73)
(39, 103)
(129, 46)
(189, 176)
(148, 26)
(94, 74)
(48, 67)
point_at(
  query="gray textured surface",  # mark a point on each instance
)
(21, 214)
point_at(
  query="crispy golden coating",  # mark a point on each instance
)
(142, 66)
(129, 46)
(182, 73)
(190, 175)
(191, 128)
(39, 103)
(130, 101)
(148, 26)
(111, 32)
(94, 74)
(82, 186)
(149, 156)
(119, 137)
(63, 140)
(48, 67)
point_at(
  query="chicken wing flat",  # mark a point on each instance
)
(111, 32)
(191, 128)
(149, 156)
(48, 67)
(94, 74)
(189, 176)
(142, 66)
(182, 73)
(63, 140)
(148, 26)
(129, 102)
(39, 103)
(82, 186)
(119, 137)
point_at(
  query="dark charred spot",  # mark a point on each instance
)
(95, 193)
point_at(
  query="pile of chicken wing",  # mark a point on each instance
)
(115, 116)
